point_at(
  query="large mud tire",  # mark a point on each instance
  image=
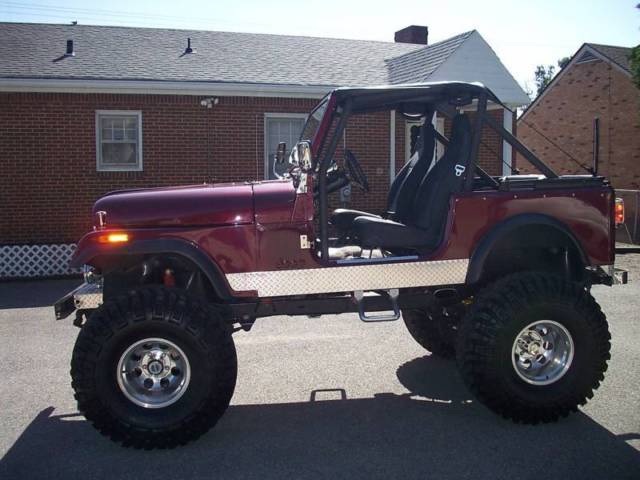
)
(487, 341)
(197, 329)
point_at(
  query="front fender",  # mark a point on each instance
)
(91, 251)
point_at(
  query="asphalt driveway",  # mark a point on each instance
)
(326, 397)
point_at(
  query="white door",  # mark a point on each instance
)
(280, 128)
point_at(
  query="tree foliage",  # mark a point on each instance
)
(563, 62)
(543, 76)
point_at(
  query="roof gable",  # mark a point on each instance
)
(475, 61)
(617, 56)
(418, 65)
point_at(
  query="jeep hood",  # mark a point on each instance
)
(193, 205)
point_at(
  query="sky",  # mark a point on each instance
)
(523, 34)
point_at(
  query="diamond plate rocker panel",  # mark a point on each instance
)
(88, 296)
(349, 278)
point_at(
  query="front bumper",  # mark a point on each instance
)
(87, 296)
(618, 275)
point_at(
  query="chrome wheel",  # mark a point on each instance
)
(542, 352)
(153, 373)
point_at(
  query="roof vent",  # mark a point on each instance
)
(587, 57)
(70, 52)
(189, 50)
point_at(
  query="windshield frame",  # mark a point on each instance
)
(328, 102)
(324, 102)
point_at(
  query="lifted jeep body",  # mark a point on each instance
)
(496, 270)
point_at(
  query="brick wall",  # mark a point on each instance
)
(565, 115)
(48, 159)
(49, 179)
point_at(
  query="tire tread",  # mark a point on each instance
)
(205, 323)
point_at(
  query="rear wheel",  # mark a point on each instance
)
(435, 334)
(533, 347)
(154, 369)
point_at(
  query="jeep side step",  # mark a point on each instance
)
(393, 297)
(247, 313)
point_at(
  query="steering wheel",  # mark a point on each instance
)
(354, 171)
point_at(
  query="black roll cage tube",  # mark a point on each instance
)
(482, 118)
(322, 179)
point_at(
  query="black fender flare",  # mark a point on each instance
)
(484, 248)
(175, 246)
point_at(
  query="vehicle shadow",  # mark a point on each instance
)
(435, 431)
(34, 293)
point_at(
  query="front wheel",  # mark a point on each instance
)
(154, 369)
(533, 347)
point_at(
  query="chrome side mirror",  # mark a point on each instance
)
(304, 155)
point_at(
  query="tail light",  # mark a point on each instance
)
(618, 211)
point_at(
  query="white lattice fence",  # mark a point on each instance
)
(25, 261)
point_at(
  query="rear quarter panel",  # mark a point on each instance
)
(586, 212)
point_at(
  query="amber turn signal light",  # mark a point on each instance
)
(618, 212)
(114, 238)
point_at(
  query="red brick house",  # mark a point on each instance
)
(596, 83)
(88, 109)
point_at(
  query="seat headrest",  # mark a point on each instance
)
(460, 125)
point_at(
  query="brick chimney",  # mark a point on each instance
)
(412, 34)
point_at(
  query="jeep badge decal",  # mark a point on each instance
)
(459, 170)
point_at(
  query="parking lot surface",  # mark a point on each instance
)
(327, 397)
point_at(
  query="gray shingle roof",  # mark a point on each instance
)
(417, 65)
(124, 53)
(619, 55)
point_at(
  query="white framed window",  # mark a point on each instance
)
(118, 140)
(280, 127)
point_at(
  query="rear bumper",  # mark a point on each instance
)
(87, 296)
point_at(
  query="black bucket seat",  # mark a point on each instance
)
(424, 225)
(404, 187)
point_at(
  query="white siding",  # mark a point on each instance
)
(475, 61)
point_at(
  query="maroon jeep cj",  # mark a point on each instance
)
(494, 271)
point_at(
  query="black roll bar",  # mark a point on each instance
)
(515, 143)
(471, 162)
